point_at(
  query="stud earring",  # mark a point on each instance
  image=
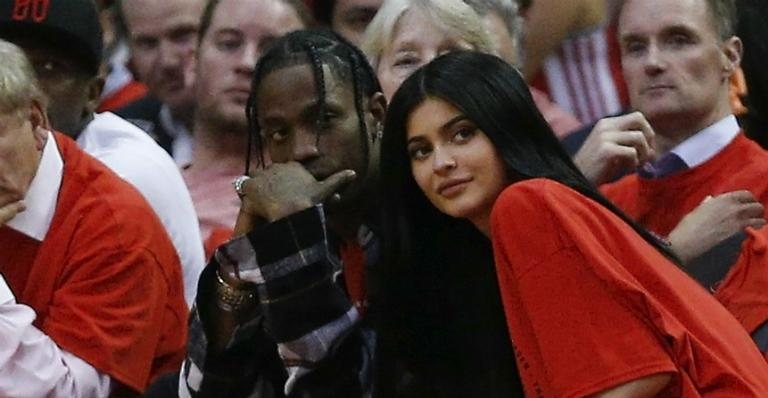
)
(379, 131)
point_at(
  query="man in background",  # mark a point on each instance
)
(162, 39)
(233, 33)
(62, 39)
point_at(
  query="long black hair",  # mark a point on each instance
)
(316, 47)
(429, 255)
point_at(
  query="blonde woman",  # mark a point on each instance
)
(406, 34)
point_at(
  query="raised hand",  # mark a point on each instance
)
(282, 189)
(616, 144)
(713, 221)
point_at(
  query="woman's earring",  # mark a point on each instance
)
(379, 133)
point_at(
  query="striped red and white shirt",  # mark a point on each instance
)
(584, 75)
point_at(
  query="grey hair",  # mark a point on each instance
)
(18, 84)
(724, 17)
(508, 10)
(453, 16)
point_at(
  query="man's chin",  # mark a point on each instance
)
(226, 122)
(668, 120)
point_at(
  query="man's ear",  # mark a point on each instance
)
(95, 87)
(40, 124)
(377, 106)
(732, 51)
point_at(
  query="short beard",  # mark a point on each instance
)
(216, 121)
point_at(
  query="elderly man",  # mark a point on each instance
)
(90, 289)
(63, 40)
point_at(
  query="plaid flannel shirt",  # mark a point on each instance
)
(304, 316)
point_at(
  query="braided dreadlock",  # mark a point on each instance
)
(316, 48)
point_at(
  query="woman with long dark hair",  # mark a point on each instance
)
(594, 304)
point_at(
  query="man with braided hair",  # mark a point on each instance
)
(280, 306)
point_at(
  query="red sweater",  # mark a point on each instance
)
(659, 204)
(106, 281)
(590, 305)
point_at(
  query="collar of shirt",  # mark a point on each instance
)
(707, 143)
(42, 195)
(181, 147)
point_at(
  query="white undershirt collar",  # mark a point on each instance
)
(42, 196)
(707, 143)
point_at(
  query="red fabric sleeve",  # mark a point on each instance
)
(217, 237)
(744, 291)
(573, 335)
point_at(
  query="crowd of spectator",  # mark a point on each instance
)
(391, 198)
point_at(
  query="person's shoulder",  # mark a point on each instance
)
(743, 146)
(530, 218)
(101, 220)
(121, 146)
(108, 123)
(98, 201)
(145, 108)
(145, 114)
(534, 193)
(140, 161)
(92, 181)
(536, 200)
(544, 201)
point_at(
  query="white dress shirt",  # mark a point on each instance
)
(707, 143)
(31, 364)
(135, 157)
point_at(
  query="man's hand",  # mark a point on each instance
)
(9, 211)
(616, 144)
(282, 189)
(713, 221)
